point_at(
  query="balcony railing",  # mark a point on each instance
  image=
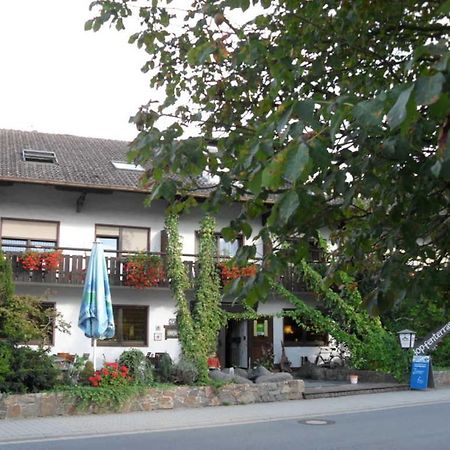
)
(74, 262)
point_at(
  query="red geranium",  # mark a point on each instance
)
(41, 260)
(229, 272)
(143, 271)
(110, 374)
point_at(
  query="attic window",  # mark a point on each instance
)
(42, 156)
(127, 166)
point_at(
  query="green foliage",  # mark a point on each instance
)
(423, 315)
(266, 359)
(29, 370)
(340, 109)
(179, 285)
(185, 372)
(371, 346)
(198, 330)
(6, 355)
(140, 367)
(6, 281)
(164, 369)
(86, 372)
(106, 398)
(71, 375)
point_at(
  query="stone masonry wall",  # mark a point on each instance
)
(441, 378)
(60, 404)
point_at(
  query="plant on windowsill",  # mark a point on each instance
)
(143, 271)
(41, 261)
(229, 271)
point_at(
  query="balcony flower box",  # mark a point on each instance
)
(33, 261)
(143, 271)
(230, 271)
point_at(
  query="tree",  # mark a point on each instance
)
(329, 114)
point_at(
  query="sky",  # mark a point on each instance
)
(57, 78)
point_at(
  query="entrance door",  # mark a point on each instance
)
(260, 333)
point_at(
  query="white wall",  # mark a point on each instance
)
(68, 298)
(42, 202)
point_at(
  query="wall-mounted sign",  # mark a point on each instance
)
(171, 331)
(157, 336)
(261, 327)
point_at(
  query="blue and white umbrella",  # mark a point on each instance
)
(96, 317)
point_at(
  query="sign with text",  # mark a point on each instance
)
(420, 369)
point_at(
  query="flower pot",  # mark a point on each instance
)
(353, 379)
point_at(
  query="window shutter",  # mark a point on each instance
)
(164, 241)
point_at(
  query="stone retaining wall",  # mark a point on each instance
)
(60, 404)
(441, 377)
(314, 372)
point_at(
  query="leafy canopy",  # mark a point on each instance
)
(330, 114)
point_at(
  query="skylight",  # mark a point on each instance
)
(42, 156)
(127, 166)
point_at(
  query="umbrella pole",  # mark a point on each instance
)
(94, 354)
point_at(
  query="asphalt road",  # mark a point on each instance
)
(414, 427)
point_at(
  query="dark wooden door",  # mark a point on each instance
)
(260, 336)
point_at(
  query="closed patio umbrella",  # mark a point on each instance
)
(96, 314)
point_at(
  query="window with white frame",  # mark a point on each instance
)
(123, 238)
(19, 234)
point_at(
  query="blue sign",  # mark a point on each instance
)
(419, 372)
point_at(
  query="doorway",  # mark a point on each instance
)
(260, 337)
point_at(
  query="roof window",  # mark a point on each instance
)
(127, 166)
(42, 156)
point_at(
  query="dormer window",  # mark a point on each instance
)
(122, 165)
(41, 156)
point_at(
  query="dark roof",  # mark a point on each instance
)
(81, 162)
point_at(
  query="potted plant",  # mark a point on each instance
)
(143, 270)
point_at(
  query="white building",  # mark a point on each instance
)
(64, 192)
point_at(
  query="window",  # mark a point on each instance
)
(227, 249)
(131, 327)
(18, 234)
(42, 156)
(127, 166)
(123, 239)
(295, 335)
(224, 249)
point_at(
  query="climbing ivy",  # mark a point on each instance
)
(198, 330)
(179, 284)
(208, 314)
(371, 346)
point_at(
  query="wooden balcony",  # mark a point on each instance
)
(74, 262)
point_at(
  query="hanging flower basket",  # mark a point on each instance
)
(230, 272)
(143, 271)
(41, 261)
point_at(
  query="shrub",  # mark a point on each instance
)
(30, 371)
(164, 369)
(185, 372)
(74, 370)
(266, 359)
(86, 373)
(5, 362)
(140, 367)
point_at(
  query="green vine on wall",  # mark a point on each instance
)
(179, 284)
(208, 315)
(371, 346)
(198, 330)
